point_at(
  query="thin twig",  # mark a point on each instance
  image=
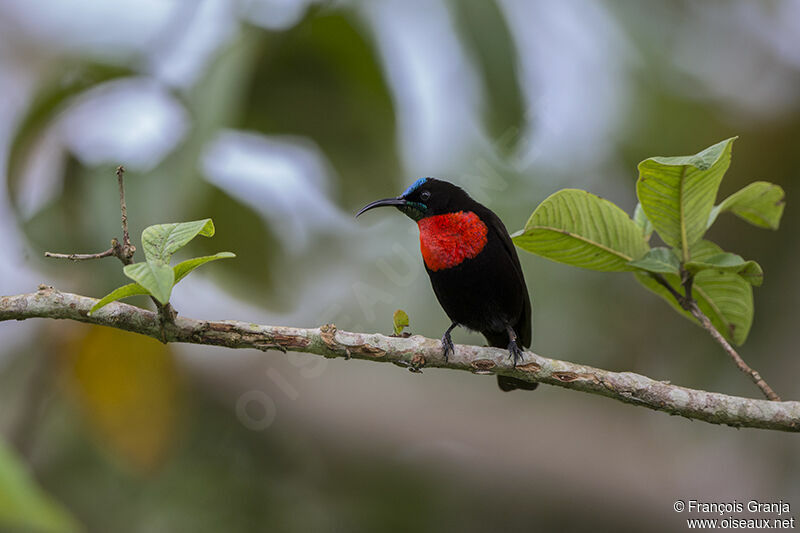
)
(740, 364)
(127, 249)
(696, 312)
(687, 302)
(123, 251)
(80, 257)
(416, 351)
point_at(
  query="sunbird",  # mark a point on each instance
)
(473, 267)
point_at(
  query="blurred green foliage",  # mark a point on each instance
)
(24, 505)
(329, 69)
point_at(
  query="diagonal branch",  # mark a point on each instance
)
(413, 352)
(689, 304)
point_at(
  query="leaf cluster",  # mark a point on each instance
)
(155, 277)
(676, 200)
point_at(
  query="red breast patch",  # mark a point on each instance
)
(447, 240)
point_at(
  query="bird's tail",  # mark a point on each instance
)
(508, 384)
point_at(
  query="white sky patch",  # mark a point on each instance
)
(97, 27)
(750, 59)
(200, 29)
(572, 72)
(136, 122)
(285, 180)
(435, 89)
(274, 14)
(777, 24)
(43, 175)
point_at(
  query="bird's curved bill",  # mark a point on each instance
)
(381, 203)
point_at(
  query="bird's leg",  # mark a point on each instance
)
(514, 350)
(447, 342)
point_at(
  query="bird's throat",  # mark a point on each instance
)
(450, 239)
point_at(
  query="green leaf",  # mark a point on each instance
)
(752, 273)
(728, 262)
(703, 250)
(580, 229)
(761, 203)
(643, 222)
(131, 289)
(661, 260)
(163, 240)
(678, 193)
(26, 507)
(183, 268)
(400, 321)
(154, 276)
(725, 297)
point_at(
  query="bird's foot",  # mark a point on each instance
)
(448, 348)
(515, 352)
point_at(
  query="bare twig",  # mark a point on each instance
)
(687, 302)
(123, 251)
(81, 257)
(127, 249)
(740, 364)
(708, 326)
(414, 351)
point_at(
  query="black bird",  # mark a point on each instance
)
(473, 267)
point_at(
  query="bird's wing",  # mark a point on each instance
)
(523, 326)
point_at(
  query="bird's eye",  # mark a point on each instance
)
(425, 196)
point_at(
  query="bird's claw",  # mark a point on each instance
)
(515, 352)
(447, 346)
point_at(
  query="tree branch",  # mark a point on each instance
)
(413, 352)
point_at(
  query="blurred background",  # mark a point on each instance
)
(278, 119)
